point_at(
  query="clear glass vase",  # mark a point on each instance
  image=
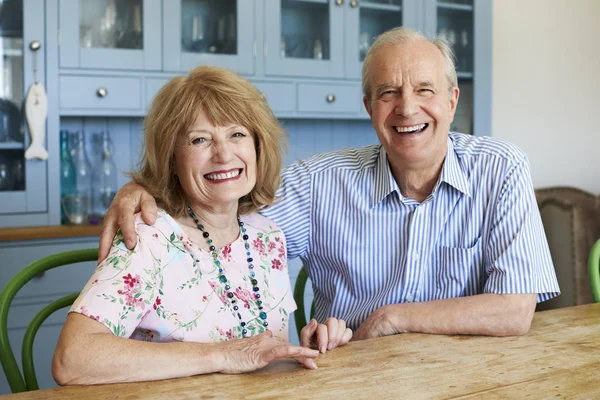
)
(68, 178)
(105, 177)
(79, 207)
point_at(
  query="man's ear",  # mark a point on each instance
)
(367, 104)
(454, 94)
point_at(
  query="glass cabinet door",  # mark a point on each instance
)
(304, 38)
(367, 19)
(22, 182)
(110, 34)
(454, 20)
(209, 32)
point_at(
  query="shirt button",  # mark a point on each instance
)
(415, 256)
(410, 298)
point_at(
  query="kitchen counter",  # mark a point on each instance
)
(49, 232)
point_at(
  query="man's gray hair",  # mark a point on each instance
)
(401, 35)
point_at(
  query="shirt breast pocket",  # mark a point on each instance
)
(457, 271)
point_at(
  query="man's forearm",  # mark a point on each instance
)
(485, 314)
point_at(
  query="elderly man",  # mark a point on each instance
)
(430, 231)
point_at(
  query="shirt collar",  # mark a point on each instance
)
(452, 172)
(384, 179)
(385, 183)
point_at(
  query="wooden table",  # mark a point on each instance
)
(558, 358)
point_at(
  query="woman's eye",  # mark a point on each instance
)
(199, 140)
(239, 134)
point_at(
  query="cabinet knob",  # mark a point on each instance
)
(102, 92)
(35, 45)
(330, 98)
(339, 2)
(354, 3)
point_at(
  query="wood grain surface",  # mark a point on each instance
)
(558, 358)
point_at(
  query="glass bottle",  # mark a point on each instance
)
(105, 177)
(81, 207)
(68, 179)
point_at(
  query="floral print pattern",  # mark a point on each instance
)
(166, 289)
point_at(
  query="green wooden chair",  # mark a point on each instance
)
(300, 314)
(28, 381)
(594, 271)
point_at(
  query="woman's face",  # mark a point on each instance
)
(216, 165)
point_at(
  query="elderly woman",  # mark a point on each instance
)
(206, 288)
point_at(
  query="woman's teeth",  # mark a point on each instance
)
(218, 177)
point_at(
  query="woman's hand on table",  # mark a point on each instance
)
(327, 336)
(250, 354)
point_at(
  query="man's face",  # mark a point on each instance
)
(411, 104)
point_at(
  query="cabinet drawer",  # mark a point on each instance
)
(93, 92)
(319, 98)
(281, 96)
(153, 85)
(61, 280)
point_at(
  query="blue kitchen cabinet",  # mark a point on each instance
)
(39, 292)
(328, 38)
(111, 34)
(467, 26)
(23, 183)
(209, 32)
(304, 38)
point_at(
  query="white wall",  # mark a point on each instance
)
(546, 87)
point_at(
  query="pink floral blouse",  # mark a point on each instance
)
(165, 289)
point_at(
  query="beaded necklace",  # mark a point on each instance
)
(223, 278)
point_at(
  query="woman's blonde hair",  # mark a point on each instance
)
(225, 98)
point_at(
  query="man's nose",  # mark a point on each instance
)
(406, 106)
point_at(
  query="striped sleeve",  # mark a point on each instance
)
(292, 211)
(518, 256)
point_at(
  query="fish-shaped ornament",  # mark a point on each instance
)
(36, 111)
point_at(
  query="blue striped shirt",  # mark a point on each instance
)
(365, 245)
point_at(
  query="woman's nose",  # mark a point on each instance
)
(222, 151)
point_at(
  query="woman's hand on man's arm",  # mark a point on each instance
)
(130, 199)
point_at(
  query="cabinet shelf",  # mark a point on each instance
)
(11, 52)
(457, 7)
(308, 1)
(382, 7)
(11, 146)
(464, 75)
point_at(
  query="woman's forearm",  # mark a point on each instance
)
(100, 357)
(88, 353)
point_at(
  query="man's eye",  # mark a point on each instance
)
(425, 91)
(387, 94)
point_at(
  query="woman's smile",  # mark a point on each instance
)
(223, 176)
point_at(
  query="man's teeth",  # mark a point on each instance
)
(228, 175)
(410, 129)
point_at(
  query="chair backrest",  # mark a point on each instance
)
(300, 314)
(594, 271)
(28, 381)
(571, 219)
